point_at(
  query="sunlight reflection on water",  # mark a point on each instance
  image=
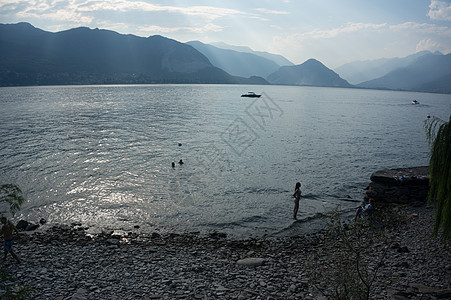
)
(101, 155)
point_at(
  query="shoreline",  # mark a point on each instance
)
(65, 263)
(310, 225)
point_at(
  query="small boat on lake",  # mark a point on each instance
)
(415, 102)
(251, 95)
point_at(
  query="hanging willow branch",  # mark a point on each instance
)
(12, 195)
(439, 136)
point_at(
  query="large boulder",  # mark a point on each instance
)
(403, 185)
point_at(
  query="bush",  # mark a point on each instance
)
(347, 267)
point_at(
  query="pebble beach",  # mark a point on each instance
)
(64, 262)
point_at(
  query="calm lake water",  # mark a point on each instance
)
(101, 155)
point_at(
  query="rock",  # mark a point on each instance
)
(42, 221)
(62, 228)
(222, 289)
(416, 175)
(113, 241)
(32, 227)
(439, 293)
(217, 235)
(80, 294)
(159, 242)
(443, 294)
(155, 235)
(62, 263)
(116, 236)
(398, 296)
(251, 261)
(403, 249)
(403, 264)
(404, 185)
(22, 225)
(107, 232)
(395, 246)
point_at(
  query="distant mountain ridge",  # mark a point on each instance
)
(311, 73)
(30, 56)
(242, 62)
(278, 59)
(236, 63)
(360, 71)
(427, 73)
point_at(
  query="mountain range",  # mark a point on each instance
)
(278, 59)
(429, 73)
(360, 71)
(31, 56)
(423, 71)
(242, 61)
(237, 63)
(311, 73)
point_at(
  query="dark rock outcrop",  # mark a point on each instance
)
(404, 185)
(26, 226)
(22, 225)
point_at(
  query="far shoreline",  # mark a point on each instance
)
(212, 84)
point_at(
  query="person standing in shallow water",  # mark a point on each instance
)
(297, 197)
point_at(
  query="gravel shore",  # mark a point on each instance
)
(63, 262)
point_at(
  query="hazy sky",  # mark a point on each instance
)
(332, 31)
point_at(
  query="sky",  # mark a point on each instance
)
(334, 32)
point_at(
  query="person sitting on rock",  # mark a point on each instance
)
(364, 210)
(7, 231)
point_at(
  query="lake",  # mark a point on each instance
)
(102, 155)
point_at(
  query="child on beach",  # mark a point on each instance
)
(365, 210)
(7, 231)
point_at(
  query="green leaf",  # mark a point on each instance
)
(12, 195)
(439, 136)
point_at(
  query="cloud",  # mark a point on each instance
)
(428, 44)
(362, 41)
(348, 28)
(370, 27)
(10, 2)
(206, 12)
(423, 28)
(199, 30)
(99, 12)
(311, 41)
(439, 10)
(274, 12)
(47, 10)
